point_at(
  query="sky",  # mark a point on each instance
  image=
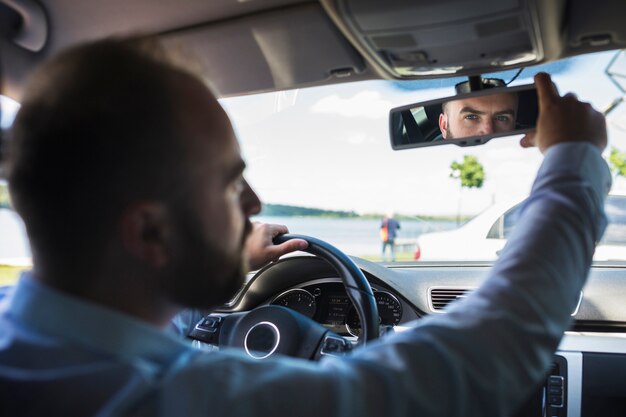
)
(328, 147)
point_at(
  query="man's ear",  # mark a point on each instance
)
(443, 124)
(145, 232)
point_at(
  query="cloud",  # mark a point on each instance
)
(368, 104)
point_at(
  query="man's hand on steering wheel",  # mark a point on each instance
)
(260, 249)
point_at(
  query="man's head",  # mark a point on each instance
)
(478, 116)
(119, 156)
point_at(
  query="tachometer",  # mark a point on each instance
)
(389, 312)
(299, 300)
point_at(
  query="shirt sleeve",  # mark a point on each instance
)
(483, 357)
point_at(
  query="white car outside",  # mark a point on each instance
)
(484, 236)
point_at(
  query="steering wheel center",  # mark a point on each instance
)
(262, 340)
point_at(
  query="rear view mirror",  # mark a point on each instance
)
(465, 119)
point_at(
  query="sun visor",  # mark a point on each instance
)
(411, 39)
(281, 49)
(24, 23)
(23, 34)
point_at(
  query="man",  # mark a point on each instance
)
(478, 116)
(388, 232)
(154, 217)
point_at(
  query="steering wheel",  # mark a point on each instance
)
(271, 329)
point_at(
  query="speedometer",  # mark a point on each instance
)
(389, 312)
(299, 300)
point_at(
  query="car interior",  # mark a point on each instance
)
(243, 48)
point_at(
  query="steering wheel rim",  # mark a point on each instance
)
(356, 285)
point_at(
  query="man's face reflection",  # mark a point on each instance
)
(478, 116)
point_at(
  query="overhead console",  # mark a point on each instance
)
(409, 39)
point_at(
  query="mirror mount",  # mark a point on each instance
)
(475, 83)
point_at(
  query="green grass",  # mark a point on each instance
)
(9, 274)
(400, 257)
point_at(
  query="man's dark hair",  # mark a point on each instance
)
(95, 132)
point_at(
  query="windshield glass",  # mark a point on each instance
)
(321, 161)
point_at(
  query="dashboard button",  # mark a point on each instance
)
(556, 400)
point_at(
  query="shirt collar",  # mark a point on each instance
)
(51, 312)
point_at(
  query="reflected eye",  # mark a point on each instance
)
(471, 117)
(502, 118)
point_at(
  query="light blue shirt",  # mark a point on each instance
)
(62, 356)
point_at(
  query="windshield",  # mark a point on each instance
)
(321, 161)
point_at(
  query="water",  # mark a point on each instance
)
(359, 237)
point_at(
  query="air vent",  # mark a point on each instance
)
(439, 298)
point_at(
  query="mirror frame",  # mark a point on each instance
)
(466, 141)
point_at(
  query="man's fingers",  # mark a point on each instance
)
(278, 229)
(528, 141)
(276, 251)
(546, 89)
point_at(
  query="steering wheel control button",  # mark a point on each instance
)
(335, 345)
(207, 329)
(210, 323)
(262, 340)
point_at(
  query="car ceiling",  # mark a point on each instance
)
(248, 46)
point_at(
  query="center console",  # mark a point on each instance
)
(550, 398)
(587, 379)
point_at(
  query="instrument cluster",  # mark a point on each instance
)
(329, 304)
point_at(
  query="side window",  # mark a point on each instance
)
(615, 234)
(496, 231)
(510, 220)
(615, 208)
(8, 108)
(502, 227)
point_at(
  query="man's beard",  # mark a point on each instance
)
(204, 275)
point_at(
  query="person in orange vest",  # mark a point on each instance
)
(388, 232)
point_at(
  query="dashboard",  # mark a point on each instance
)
(586, 377)
(326, 302)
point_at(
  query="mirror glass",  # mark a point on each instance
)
(465, 119)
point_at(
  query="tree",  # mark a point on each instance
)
(617, 162)
(471, 173)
